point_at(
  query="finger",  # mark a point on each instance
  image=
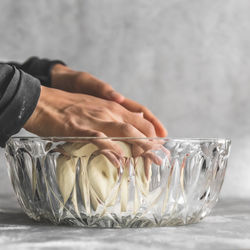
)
(140, 144)
(136, 107)
(152, 156)
(121, 129)
(111, 155)
(138, 151)
(143, 125)
(103, 143)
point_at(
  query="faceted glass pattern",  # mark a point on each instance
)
(84, 182)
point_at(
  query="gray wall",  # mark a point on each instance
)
(187, 60)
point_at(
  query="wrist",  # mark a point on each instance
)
(32, 122)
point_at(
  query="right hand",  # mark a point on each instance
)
(64, 78)
(59, 113)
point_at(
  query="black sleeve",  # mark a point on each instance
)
(39, 68)
(19, 93)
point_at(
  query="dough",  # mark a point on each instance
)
(102, 178)
(98, 179)
(66, 174)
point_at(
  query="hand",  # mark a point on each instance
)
(59, 113)
(69, 80)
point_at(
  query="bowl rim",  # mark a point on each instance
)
(167, 139)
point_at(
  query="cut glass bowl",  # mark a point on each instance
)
(90, 183)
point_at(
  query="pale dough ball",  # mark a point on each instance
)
(98, 178)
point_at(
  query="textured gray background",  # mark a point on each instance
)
(187, 60)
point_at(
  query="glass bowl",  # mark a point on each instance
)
(117, 182)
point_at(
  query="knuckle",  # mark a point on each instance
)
(74, 129)
(97, 134)
(139, 114)
(99, 113)
(70, 122)
(145, 125)
(72, 125)
(126, 128)
(140, 109)
(150, 129)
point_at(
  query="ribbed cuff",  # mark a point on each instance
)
(21, 105)
(39, 68)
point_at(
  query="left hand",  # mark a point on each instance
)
(64, 78)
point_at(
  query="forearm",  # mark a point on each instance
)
(19, 93)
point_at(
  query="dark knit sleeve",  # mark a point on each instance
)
(19, 94)
(39, 68)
